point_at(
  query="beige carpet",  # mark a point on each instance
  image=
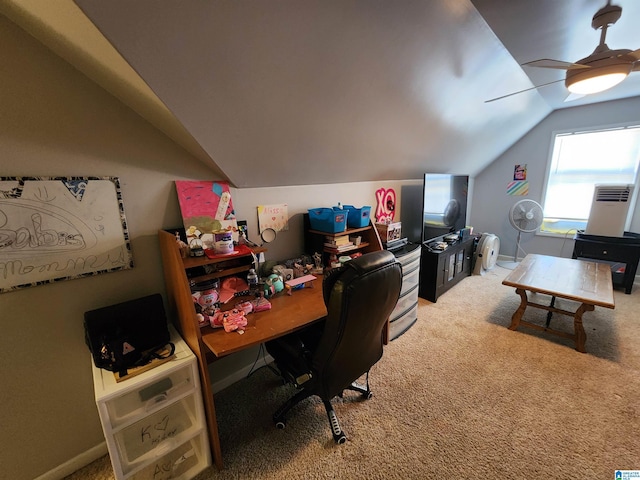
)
(457, 396)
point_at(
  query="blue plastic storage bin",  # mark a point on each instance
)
(328, 220)
(358, 217)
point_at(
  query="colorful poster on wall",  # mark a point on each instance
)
(518, 188)
(386, 209)
(206, 207)
(275, 217)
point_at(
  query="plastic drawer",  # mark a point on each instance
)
(407, 261)
(157, 433)
(183, 462)
(149, 397)
(405, 321)
(405, 302)
(410, 278)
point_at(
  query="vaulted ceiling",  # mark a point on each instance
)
(290, 92)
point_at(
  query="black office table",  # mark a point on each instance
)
(625, 249)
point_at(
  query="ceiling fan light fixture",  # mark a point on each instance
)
(586, 81)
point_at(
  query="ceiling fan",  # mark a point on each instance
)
(601, 70)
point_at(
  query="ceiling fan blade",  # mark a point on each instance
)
(635, 54)
(557, 64)
(522, 91)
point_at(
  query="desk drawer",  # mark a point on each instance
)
(150, 397)
(593, 250)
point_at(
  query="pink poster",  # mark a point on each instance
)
(206, 205)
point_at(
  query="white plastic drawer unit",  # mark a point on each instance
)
(186, 461)
(407, 259)
(406, 301)
(154, 422)
(410, 277)
(402, 323)
(158, 433)
(152, 396)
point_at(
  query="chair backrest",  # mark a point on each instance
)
(359, 296)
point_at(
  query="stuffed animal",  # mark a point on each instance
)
(273, 284)
(231, 320)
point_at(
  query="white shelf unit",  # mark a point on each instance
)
(154, 422)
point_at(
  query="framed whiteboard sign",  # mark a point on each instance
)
(60, 228)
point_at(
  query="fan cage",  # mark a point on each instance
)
(526, 216)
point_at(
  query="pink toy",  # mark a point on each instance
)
(231, 320)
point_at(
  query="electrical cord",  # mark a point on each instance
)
(262, 352)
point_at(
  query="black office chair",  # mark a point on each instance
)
(328, 357)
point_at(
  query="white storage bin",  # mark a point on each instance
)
(404, 303)
(152, 419)
(410, 277)
(166, 426)
(401, 324)
(410, 260)
(183, 462)
(151, 397)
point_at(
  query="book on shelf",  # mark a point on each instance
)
(340, 248)
(341, 240)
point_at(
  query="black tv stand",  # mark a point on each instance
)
(442, 268)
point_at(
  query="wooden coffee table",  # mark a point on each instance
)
(588, 283)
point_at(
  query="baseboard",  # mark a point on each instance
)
(240, 374)
(76, 463)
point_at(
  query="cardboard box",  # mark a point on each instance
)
(389, 232)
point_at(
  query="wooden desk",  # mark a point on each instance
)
(588, 283)
(287, 314)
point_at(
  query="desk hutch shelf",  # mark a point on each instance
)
(288, 313)
(179, 274)
(315, 240)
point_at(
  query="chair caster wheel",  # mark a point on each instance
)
(367, 395)
(340, 439)
(280, 424)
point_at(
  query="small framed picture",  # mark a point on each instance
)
(520, 172)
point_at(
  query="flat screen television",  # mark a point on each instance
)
(444, 205)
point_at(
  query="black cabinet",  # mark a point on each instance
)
(622, 253)
(442, 269)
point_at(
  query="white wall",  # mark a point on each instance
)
(490, 203)
(55, 122)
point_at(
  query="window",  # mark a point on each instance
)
(579, 161)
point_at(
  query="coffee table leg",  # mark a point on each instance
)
(581, 336)
(516, 317)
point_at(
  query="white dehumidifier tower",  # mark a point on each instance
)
(609, 209)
